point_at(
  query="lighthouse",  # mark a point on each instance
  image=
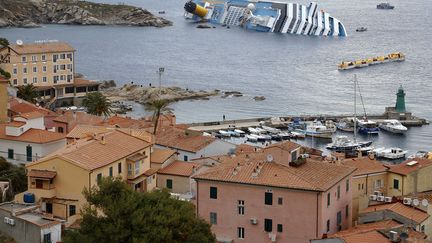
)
(400, 100)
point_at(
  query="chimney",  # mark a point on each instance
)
(3, 99)
(103, 142)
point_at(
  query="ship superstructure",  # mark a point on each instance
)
(267, 16)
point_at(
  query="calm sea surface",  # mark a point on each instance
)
(296, 74)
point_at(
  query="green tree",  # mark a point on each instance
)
(97, 104)
(117, 214)
(4, 42)
(28, 92)
(158, 107)
(16, 175)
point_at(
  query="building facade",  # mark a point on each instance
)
(58, 181)
(251, 199)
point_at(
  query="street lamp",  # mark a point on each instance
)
(160, 72)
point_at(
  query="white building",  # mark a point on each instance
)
(24, 139)
(191, 147)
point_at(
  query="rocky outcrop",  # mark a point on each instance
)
(145, 95)
(32, 13)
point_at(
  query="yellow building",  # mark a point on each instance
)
(411, 176)
(370, 177)
(58, 180)
(40, 64)
(47, 65)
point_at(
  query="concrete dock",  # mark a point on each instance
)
(282, 122)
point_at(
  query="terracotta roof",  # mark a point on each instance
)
(30, 115)
(19, 106)
(3, 79)
(35, 48)
(78, 118)
(414, 214)
(365, 165)
(32, 136)
(405, 169)
(93, 154)
(82, 131)
(42, 174)
(179, 168)
(312, 175)
(84, 82)
(246, 148)
(139, 133)
(137, 156)
(366, 233)
(159, 156)
(16, 124)
(127, 122)
(285, 145)
(177, 139)
(150, 172)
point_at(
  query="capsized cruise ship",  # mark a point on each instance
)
(267, 16)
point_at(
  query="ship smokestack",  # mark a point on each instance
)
(196, 9)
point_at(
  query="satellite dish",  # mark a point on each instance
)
(425, 202)
(269, 158)
(403, 236)
(416, 202)
(19, 42)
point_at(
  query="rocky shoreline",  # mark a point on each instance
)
(33, 13)
(146, 95)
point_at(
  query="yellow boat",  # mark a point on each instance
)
(392, 57)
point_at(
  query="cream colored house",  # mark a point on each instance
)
(370, 177)
(40, 64)
(411, 176)
(50, 66)
(58, 180)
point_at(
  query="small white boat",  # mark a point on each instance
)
(331, 125)
(264, 137)
(260, 130)
(284, 135)
(206, 134)
(393, 126)
(240, 132)
(253, 130)
(224, 133)
(390, 153)
(318, 130)
(298, 134)
(343, 144)
(419, 154)
(271, 129)
(251, 137)
(346, 125)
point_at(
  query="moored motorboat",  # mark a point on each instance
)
(271, 129)
(240, 132)
(346, 125)
(298, 134)
(361, 29)
(393, 126)
(253, 130)
(366, 126)
(264, 137)
(390, 153)
(343, 144)
(318, 130)
(251, 137)
(284, 135)
(224, 133)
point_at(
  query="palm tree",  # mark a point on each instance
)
(28, 93)
(159, 107)
(97, 104)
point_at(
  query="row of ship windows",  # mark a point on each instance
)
(55, 57)
(44, 69)
(56, 78)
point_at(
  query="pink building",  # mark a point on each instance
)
(253, 197)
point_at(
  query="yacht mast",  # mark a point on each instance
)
(355, 108)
